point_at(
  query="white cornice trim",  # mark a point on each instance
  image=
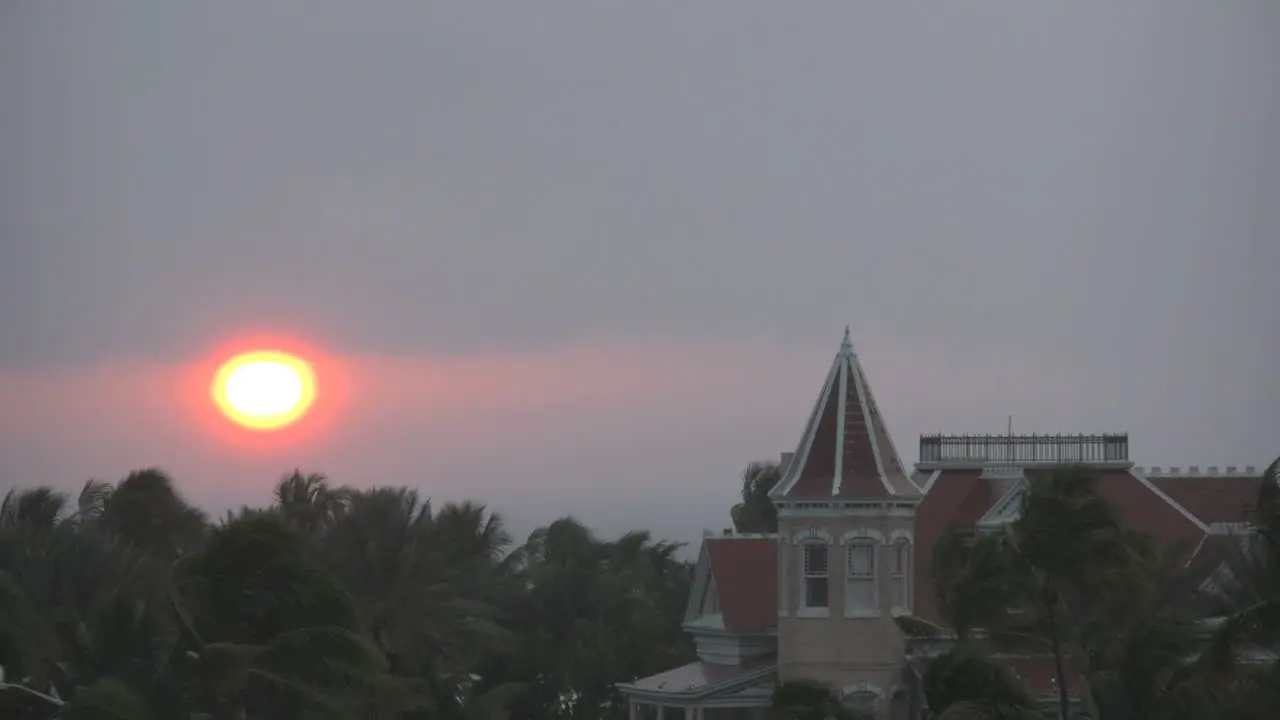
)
(862, 534)
(933, 478)
(1006, 509)
(901, 533)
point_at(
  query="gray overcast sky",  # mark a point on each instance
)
(592, 257)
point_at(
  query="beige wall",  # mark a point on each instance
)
(837, 650)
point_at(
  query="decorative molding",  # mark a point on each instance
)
(811, 534)
(862, 687)
(862, 534)
(899, 507)
(900, 533)
(1007, 508)
(1230, 528)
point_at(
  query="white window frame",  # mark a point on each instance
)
(862, 696)
(807, 610)
(855, 545)
(900, 573)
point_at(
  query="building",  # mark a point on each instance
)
(856, 528)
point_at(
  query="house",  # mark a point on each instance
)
(856, 530)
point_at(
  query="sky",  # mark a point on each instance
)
(591, 258)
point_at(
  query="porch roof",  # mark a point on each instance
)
(750, 683)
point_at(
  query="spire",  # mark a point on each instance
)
(845, 450)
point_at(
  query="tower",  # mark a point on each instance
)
(846, 510)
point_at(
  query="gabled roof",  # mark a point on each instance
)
(845, 450)
(743, 572)
(970, 498)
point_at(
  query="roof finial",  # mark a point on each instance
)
(846, 345)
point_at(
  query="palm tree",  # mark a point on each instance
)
(76, 604)
(146, 510)
(1065, 547)
(756, 513)
(272, 632)
(1241, 601)
(1065, 550)
(423, 584)
(308, 502)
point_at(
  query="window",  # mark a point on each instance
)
(901, 575)
(815, 575)
(860, 593)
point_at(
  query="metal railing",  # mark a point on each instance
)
(1016, 449)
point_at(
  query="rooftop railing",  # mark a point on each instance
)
(1025, 449)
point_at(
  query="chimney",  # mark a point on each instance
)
(1231, 469)
(1249, 469)
(785, 461)
(728, 532)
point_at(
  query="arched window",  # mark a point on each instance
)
(860, 578)
(862, 697)
(900, 574)
(816, 591)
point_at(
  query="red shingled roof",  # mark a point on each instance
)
(1213, 499)
(745, 570)
(845, 450)
(1142, 507)
(957, 498)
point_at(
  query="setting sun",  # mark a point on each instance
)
(264, 390)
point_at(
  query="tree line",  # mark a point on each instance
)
(128, 603)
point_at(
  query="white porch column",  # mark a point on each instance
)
(633, 711)
(690, 713)
(662, 712)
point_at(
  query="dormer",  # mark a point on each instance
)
(732, 611)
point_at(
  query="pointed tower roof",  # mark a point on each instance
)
(845, 451)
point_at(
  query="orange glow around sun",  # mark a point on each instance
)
(264, 390)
